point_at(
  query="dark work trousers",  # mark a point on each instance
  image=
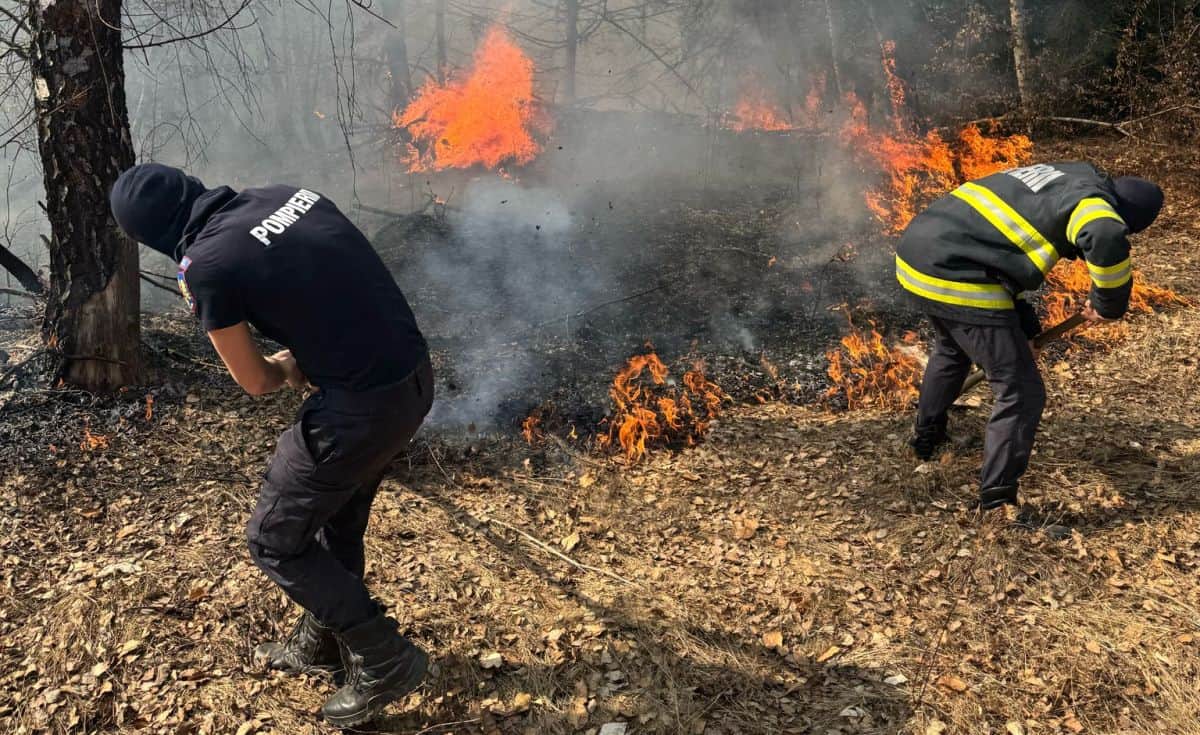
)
(1006, 357)
(306, 533)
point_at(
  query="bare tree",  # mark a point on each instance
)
(572, 49)
(83, 137)
(1020, 51)
(440, 32)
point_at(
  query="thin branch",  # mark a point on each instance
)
(223, 24)
(367, 9)
(531, 539)
(158, 285)
(18, 294)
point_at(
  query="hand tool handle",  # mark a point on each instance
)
(1041, 340)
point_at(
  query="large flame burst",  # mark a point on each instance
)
(916, 169)
(487, 116)
(867, 373)
(648, 412)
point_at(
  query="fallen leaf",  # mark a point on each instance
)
(828, 654)
(744, 528)
(952, 682)
(570, 542)
(1093, 646)
(772, 639)
(492, 660)
(248, 727)
(521, 702)
(1014, 728)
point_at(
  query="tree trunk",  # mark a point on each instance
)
(23, 273)
(572, 49)
(439, 18)
(397, 61)
(91, 316)
(833, 49)
(1020, 51)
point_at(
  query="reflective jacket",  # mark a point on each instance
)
(974, 253)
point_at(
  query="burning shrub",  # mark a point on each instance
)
(486, 117)
(649, 411)
(866, 373)
(1070, 283)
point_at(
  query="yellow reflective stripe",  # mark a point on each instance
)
(1012, 225)
(979, 295)
(1089, 210)
(1111, 276)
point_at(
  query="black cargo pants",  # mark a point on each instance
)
(1006, 357)
(306, 533)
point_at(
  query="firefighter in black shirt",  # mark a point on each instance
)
(286, 261)
(969, 261)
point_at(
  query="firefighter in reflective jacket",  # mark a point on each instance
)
(969, 261)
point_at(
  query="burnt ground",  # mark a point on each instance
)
(746, 280)
(797, 573)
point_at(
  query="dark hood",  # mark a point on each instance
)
(158, 205)
(1138, 201)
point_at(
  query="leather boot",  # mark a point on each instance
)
(926, 440)
(381, 667)
(309, 647)
(995, 497)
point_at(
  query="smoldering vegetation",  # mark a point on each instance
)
(629, 233)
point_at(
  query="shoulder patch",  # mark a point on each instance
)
(183, 287)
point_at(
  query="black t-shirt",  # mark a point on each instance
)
(287, 261)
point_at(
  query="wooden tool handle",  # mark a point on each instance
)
(1041, 340)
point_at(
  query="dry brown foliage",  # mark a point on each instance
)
(797, 573)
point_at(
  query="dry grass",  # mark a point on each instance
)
(795, 574)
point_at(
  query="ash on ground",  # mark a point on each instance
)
(532, 297)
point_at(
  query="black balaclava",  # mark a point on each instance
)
(1138, 201)
(152, 203)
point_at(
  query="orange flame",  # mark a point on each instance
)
(92, 441)
(917, 169)
(756, 109)
(867, 373)
(530, 428)
(486, 117)
(1070, 283)
(648, 413)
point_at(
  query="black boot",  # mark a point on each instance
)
(381, 666)
(996, 497)
(926, 440)
(309, 647)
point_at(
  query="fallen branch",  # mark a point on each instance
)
(18, 294)
(531, 539)
(157, 285)
(555, 552)
(22, 272)
(14, 371)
